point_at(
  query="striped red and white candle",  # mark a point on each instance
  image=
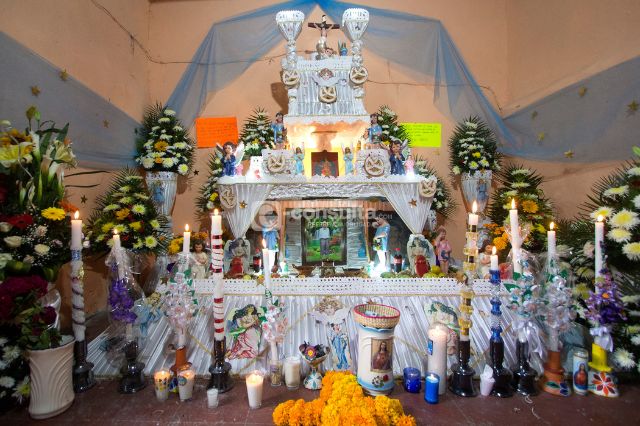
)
(217, 254)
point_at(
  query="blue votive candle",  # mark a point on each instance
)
(411, 380)
(432, 383)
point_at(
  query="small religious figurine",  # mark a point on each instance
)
(396, 158)
(443, 250)
(270, 236)
(231, 158)
(484, 260)
(374, 132)
(347, 156)
(342, 48)
(279, 131)
(381, 240)
(299, 159)
(202, 260)
(409, 164)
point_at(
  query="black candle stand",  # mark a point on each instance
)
(132, 380)
(83, 379)
(220, 369)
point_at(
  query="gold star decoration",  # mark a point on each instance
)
(83, 199)
(105, 123)
(568, 154)
(413, 202)
(64, 75)
(541, 136)
(35, 90)
(632, 107)
(582, 91)
(243, 204)
(534, 114)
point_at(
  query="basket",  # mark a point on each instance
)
(376, 316)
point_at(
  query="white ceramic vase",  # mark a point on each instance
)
(51, 380)
(475, 187)
(162, 187)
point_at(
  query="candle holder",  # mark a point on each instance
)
(601, 379)
(132, 371)
(501, 375)
(524, 377)
(83, 379)
(461, 382)
(220, 369)
(181, 362)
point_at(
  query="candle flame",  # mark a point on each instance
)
(264, 243)
(186, 228)
(600, 218)
(493, 250)
(215, 212)
(513, 204)
(115, 231)
(474, 207)
(76, 215)
(551, 226)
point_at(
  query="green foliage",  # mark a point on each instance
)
(388, 120)
(473, 147)
(443, 201)
(257, 134)
(209, 198)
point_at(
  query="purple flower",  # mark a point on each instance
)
(121, 302)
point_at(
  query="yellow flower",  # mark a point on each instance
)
(213, 196)
(122, 214)
(136, 225)
(11, 154)
(500, 243)
(161, 146)
(625, 219)
(53, 213)
(158, 160)
(476, 154)
(632, 251)
(107, 227)
(529, 206)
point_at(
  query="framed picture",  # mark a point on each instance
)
(381, 355)
(324, 239)
(324, 163)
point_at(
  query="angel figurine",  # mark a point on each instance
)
(231, 158)
(347, 156)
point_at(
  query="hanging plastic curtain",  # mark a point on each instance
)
(407, 200)
(241, 202)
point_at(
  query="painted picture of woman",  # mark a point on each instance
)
(381, 355)
(339, 346)
(245, 329)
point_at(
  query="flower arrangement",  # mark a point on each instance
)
(127, 208)
(209, 198)
(257, 133)
(473, 148)
(443, 201)
(163, 144)
(391, 129)
(14, 370)
(342, 402)
(312, 352)
(534, 209)
(175, 245)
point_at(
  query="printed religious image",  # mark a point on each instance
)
(324, 163)
(324, 240)
(381, 355)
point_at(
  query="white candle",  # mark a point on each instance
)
(216, 223)
(494, 260)
(473, 217)
(254, 389)
(212, 398)
(598, 249)
(437, 353)
(515, 237)
(186, 379)
(76, 232)
(265, 265)
(292, 366)
(116, 239)
(186, 242)
(551, 241)
(161, 380)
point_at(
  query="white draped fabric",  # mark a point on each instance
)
(408, 203)
(248, 199)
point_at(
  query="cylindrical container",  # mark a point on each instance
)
(431, 388)
(411, 380)
(212, 398)
(580, 371)
(376, 325)
(186, 380)
(437, 352)
(255, 381)
(275, 372)
(161, 380)
(292, 372)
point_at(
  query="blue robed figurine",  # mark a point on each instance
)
(231, 157)
(270, 235)
(396, 158)
(347, 156)
(278, 131)
(374, 132)
(381, 239)
(299, 159)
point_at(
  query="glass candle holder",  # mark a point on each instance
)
(431, 385)
(411, 380)
(292, 366)
(161, 381)
(255, 381)
(186, 380)
(212, 398)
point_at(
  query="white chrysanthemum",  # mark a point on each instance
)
(484, 163)
(169, 112)
(634, 298)
(111, 207)
(23, 389)
(625, 219)
(520, 172)
(634, 171)
(181, 145)
(165, 137)
(588, 249)
(183, 169)
(138, 244)
(121, 228)
(11, 353)
(624, 359)
(3, 365)
(636, 340)
(124, 189)
(520, 185)
(141, 196)
(168, 162)
(3, 341)
(633, 329)
(139, 209)
(511, 193)
(473, 165)
(177, 129)
(616, 191)
(636, 201)
(147, 162)
(603, 211)
(126, 200)
(632, 250)
(7, 382)
(164, 120)
(150, 241)
(154, 224)
(619, 235)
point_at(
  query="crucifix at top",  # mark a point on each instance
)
(324, 27)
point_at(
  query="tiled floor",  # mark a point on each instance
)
(104, 405)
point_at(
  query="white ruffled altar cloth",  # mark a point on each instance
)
(410, 296)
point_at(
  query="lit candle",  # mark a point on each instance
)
(292, 366)
(161, 380)
(432, 383)
(186, 379)
(116, 239)
(216, 223)
(515, 237)
(254, 389)
(186, 242)
(212, 398)
(265, 265)
(494, 260)
(437, 352)
(551, 241)
(598, 248)
(76, 232)
(473, 217)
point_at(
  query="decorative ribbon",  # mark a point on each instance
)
(531, 331)
(602, 337)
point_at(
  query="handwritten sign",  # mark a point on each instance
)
(427, 135)
(212, 131)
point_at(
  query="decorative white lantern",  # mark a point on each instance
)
(290, 23)
(355, 20)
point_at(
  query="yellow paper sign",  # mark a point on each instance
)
(427, 135)
(212, 131)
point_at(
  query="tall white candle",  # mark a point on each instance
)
(216, 223)
(186, 242)
(265, 268)
(77, 286)
(515, 237)
(437, 353)
(551, 241)
(254, 389)
(76, 232)
(494, 260)
(116, 239)
(473, 217)
(598, 249)
(217, 255)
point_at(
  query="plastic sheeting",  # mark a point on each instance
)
(412, 208)
(249, 198)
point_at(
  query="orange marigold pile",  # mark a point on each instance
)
(342, 402)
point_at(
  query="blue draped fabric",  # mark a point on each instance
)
(594, 125)
(64, 102)
(415, 42)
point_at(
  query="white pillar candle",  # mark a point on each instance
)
(116, 239)
(186, 380)
(254, 389)
(216, 223)
(186, 242)
(266, 268)
(77, 286)
(437, 353)
(161, 380)
(515, 237)
(473, 217)
(217, 255)
(598, 249)
(292, 366)
(494, 260)
(76, 232)
(212, 398)
(551, 241)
